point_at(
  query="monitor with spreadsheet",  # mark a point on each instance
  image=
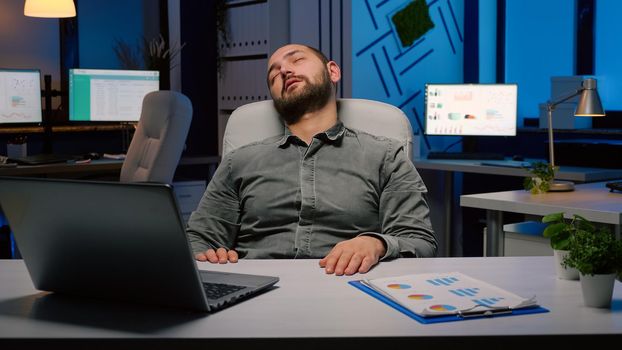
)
(20, 96)
(109, 95)
(471, 109)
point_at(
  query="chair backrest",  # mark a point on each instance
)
(159, 138)
(259, 120)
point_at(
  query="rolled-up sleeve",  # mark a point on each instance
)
(404, 211)
(216, 221)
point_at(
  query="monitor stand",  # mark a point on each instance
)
(469, 144)
(469, 152)
(48, 93)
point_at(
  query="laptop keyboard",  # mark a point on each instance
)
(219, 290)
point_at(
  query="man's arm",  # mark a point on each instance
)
(213, 226)
(404, 211)
(404, 215)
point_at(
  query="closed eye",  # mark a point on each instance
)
(273, 77)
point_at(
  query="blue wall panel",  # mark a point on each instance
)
(539, 45)
(608, 69)
(384, 70)
(100, 23)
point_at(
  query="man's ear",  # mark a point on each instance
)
(334, 72)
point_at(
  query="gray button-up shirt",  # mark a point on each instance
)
(279, 198)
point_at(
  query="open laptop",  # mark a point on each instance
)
(120, 241)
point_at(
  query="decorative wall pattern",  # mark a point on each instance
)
(398, 46)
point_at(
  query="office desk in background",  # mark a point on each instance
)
(309, 309)
(449, 167)
(570, 173)
(95, 167)
(593, 201)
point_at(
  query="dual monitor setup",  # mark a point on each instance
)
(95, 95)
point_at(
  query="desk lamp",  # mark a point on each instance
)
(589, 105)
(50, 8)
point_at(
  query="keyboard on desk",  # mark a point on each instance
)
(614, 186)
(465, 155)
(41, 159)
(508, 164)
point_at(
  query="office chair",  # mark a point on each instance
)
(259, 120)
(159, 138)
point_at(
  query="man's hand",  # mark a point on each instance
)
(221, 256)
(358, 254)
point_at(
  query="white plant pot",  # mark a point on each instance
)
(597, 289)
(565, 273)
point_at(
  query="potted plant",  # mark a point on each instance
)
(597, 254)
(559, 231)
(153, 54)
(541, 176)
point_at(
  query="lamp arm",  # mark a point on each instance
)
(552, 104)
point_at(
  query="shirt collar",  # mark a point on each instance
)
(332, 135)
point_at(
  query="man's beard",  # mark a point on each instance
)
(314, 96)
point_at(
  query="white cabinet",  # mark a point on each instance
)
(524, 239)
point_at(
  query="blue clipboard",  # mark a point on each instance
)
(439, 319)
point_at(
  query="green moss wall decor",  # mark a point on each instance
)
(412, 22)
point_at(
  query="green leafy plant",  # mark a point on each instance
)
(541, 176)
(128, 57)
(158, 54)
(560, 230)
(594, 251)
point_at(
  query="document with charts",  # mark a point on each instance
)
(451, 293)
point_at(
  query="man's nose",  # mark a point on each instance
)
(286, 70)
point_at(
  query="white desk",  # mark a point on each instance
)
(570, 173)
(592, 201)
(308, 309)
(450, 166)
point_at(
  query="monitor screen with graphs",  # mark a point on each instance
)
(20, 96)
(109, 95)
(471, 109)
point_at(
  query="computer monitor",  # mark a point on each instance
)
(20, 96)
(109, 95)
(471, 109)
